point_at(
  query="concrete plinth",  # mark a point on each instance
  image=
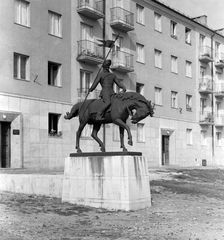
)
(111, 182)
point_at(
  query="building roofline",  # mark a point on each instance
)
(161, 3)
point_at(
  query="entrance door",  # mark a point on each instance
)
(4, 144)
(165, 150)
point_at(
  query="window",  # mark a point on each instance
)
(54, 74)
(55, 24)
(173, 29)
(158, 96)
(85, 80)
(201, 40)
(188, 69)
(203, 138)
(141, 132)
(174, 99)
(188, 35)
(158, 22)
(21, 66)
(140, 88)
(218, 139)
(202, 105)
(140, 17)
(189, 102)
(158, 59)
(174, 65)
(189, 136)
(86, 132)
(22, 12)
(217, 51)
(54, 124)
(116, 133)
(140, 53)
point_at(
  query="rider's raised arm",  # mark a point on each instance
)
(119, 84)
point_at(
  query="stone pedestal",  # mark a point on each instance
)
(118, 182)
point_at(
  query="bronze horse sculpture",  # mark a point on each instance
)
(122, 105)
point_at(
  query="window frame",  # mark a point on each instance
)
(17, 66)
(174, 64)
(189, 102)
(141, 133)
(189, 137)
(18, 11)
(140, 14)
(188, 69)
(158, 22)
(58, 81)
(54, 121)
(174, 99)
(173, 29)
(158, 59)
(188, 36)
(218, 139)
(141, 87)
(158, 96)
(52, 27)
(140, 53)
(203, 138)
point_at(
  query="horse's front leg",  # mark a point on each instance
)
(96, 128)
(122, 124)
(78, 135)
(122, 139)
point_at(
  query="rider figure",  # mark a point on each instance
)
(107, 80)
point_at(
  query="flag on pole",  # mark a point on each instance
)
(106, 43)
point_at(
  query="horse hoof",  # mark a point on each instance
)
(125, 150)
(79, 151)
(130, 142)
(66, 115)
(102, 149)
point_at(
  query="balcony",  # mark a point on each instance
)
(219, 60)
(219, 89)
(122, 61)
(90, 52)
(205, 54)
(91, 9)
(206, 118)
(219, 120)
(121, 19)
(82, 93)
(205, 86)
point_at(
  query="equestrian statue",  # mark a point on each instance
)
(111, 108)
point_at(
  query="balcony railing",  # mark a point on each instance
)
(92, 9)
(122, 61)
(219, 119)
(122, 19)
(90, 52)
(219, 89)
(206, 118)
(205, 85)
(219, 60)
(82, 93)
(205, 54)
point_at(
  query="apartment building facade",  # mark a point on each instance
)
(51, 55)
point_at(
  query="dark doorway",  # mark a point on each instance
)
(5, 144)
(165, 150)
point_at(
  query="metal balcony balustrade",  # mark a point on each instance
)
(205, 54)
(121, 19)
(219, 120)
(219, 89)
(91, 8)
(205, 85)
(89, 52)
(122, 61)
(206, 118)
(82, 93)
(219, 60)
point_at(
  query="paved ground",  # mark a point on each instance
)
(187, 204)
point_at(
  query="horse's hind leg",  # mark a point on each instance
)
(78, 135)
(122, 139)
(96, 128)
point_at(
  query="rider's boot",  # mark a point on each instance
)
(99, 116)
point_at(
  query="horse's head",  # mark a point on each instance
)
(142, 110)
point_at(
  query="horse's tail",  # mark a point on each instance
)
(74, 111)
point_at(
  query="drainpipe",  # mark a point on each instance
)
(212, 100)
(104, 54)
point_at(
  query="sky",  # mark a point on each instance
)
(194, 8)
